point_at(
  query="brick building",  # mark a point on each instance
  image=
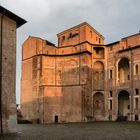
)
(81, 79)
(9, 22)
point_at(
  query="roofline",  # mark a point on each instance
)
(40, 39)
(131, 35)
(116, 42)
(52, 44)
(20, 21)
(84, 23)
(129, 49)
(113, 43)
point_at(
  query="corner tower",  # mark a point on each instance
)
(80, 34)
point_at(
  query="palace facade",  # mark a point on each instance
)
(81, 79)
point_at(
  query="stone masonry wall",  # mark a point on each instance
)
(8, 74)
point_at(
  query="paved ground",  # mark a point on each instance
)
(77, 131)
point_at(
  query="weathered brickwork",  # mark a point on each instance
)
(80, 80)
(8, 26)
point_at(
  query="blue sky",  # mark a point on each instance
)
(112, 18)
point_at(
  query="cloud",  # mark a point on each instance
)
(112, 18)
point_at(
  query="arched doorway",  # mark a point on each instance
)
(123, 70)
(123, 105)
(98, 106)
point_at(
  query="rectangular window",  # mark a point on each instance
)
(128, 77)
(110, 104)
(110, 94)
(136, 103)
(137, 91)
(63, 37)
(99, 41)
(136, 117)
(96, 38)
(110, 74)
(136, 69)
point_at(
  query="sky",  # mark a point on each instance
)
(114, 19)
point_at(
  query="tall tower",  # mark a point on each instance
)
(81, 33)
(9, 22)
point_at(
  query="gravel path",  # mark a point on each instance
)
(77, 131)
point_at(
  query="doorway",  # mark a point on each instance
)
(56, 119)
(123, 105)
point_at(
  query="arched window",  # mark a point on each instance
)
(123, 70)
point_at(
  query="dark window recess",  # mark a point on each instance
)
(70, 34)
(99, 40)
(63, 37)
(90, 33)
(96, 38)
(110, 93)
(128, 106)
(128, 77)
(136, 103)
(136, 117)
(97, 51)
(38, 121)
(56, 119)
(110, 104)
(136, 69)
(137, 91)
(110, 74)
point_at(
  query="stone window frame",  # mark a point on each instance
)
(63, 37)
(110, 104)
(111, 93)
(136, 72)
(99, 40)
(136, 102)
(110, 73)
(136, 91)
